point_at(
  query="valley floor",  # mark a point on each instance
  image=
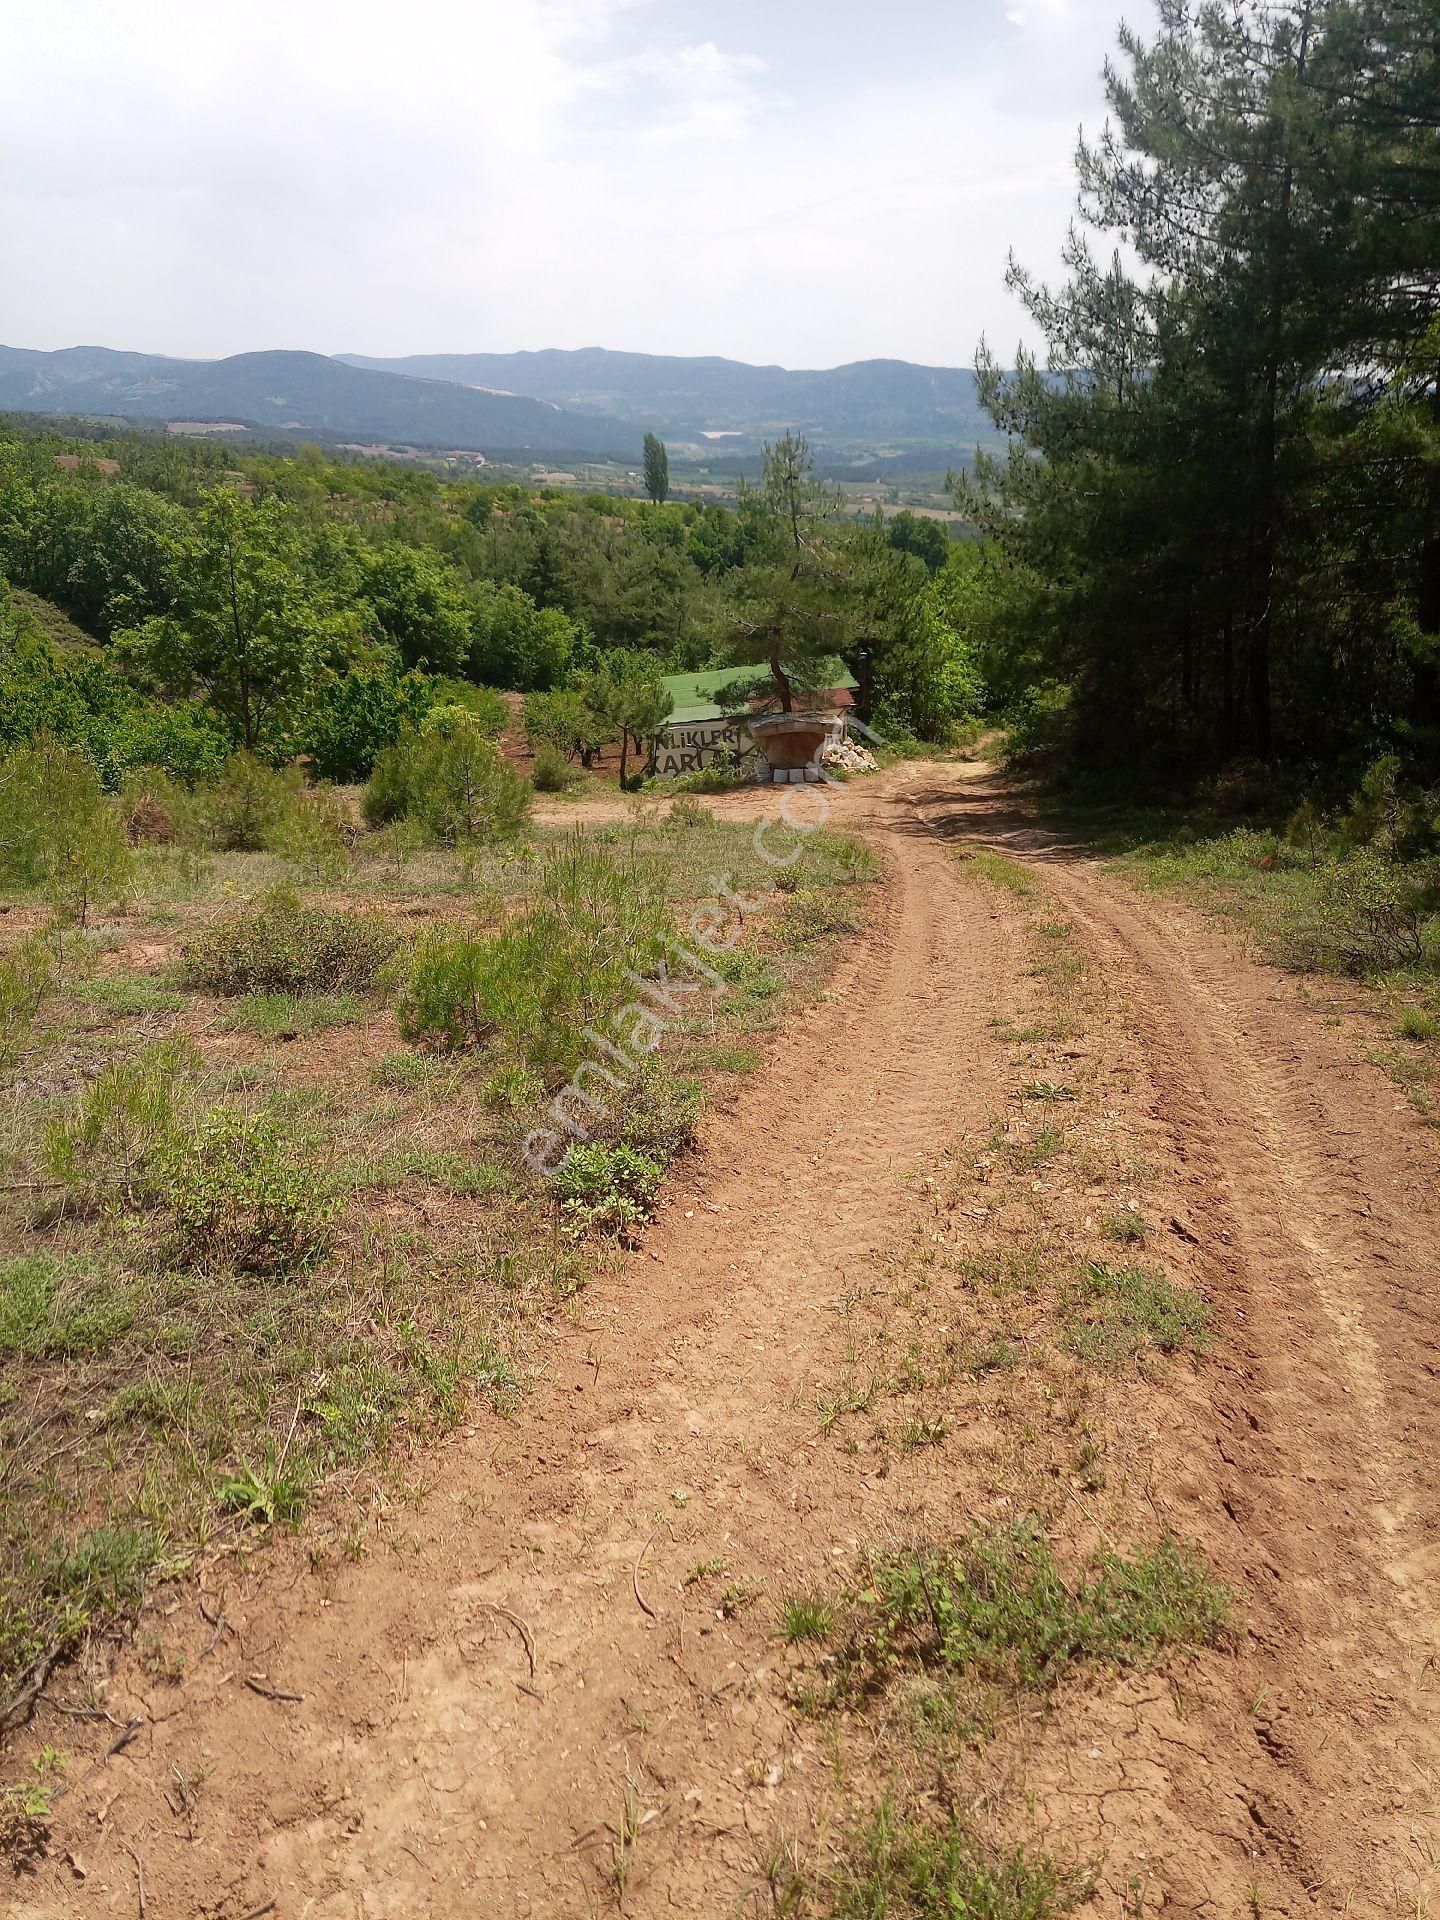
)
(559, 1685)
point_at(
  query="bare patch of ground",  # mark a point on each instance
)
(557, 1684)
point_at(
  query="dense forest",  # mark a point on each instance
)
(293, 607)
(1218, 532)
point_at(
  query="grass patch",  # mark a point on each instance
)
(121, 994)
(898, 1868)
(806, 1617)
(810, 917)
(206, 1306)
(1113, 1314)
(1001, 872)
(294, 1016)
(999, 1609)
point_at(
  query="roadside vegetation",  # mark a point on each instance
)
(265, 1213)
(1350, 893)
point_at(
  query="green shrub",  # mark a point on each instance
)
(315, 833)
(59, 832)
(1366, 913)
(108, 1151)
(281, 946)
(661, 1111)
(450, 776)
(723, 774)
(563, 720)
(246, 1192)
(485, 705)
(27, 973)
(248, 803)
(360, 714)
(603, 1189)
(552, 773)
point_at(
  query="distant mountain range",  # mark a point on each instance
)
(868, 400)
(590, 403)
(302, 391)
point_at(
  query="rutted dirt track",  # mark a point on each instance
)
(476, 1698)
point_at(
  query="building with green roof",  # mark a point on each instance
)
(709, 708)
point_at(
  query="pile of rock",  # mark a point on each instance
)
(848, 754)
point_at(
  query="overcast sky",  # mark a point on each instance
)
(801, 181)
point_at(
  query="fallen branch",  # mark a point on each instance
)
(269, 1693)
(519, 1625)
(22, 1704)
(122, 1740)
(139, 1875)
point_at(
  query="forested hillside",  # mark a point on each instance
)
(1218, 533)
(292, 607)
(299, 390)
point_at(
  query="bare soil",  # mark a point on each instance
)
(524, 1701)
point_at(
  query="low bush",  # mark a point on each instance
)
(247, 804)
(661, 1111)
(553, 773)
(60, 833)
(604, 1189)
(450, 776)
(1366, 913)
(245, 1191)
(315, 833)
(27, 973)
(280, 945)
(110, 1148)
(725, 772)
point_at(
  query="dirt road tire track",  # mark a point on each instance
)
(1307, 1457)
(427, 1771)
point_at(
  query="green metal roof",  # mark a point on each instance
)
(694, 693)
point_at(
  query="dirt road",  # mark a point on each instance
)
(560, 1689)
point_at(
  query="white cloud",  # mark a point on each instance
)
(462, 174)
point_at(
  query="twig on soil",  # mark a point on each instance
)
(215, 1620)
(21, 1705)
(122, 1740)
(645, 1606)
(139, 1875)
(256, 1913)
(269, 1693)
(519, 1625)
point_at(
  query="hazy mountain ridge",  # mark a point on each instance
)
(865, 399)
(285, 389)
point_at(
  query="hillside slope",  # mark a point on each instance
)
(300, 391)
(868, 399)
